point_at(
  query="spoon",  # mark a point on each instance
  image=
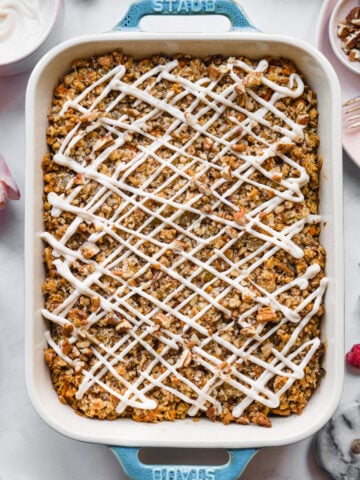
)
(341, 10)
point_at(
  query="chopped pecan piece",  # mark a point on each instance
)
(239, 147)
(214, 72)
(95, 303)
(79, 317)
(204, 189)
(226, 173)
(180, 245)
(284, 146)
(90, 116)
(162, 320)
(103, 143)
(266, 349)
(262, 420)
(240, 89)
(79, 179)
(232, 232)
(66, 346)
(266, 314)
(168, 234)
(353, 14)
(208, 144)
(89, 250)
(303, 119)
(240, 216)
(253, 79)
(123, 326)
(68, 328)
(211, 413)
(248, 331)
(277, 176)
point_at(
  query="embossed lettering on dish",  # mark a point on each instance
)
(183, 6)
(178, 473)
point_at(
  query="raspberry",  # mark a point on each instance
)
(353, 357)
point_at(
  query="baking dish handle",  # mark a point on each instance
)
(141, 8)
(136, 470)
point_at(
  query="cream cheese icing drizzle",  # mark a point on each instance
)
(284, 363)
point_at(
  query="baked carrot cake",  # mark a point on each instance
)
(184, 272)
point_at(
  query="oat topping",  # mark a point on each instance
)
(184, 269)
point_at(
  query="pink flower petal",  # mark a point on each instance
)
(3, 196)
(7, 182)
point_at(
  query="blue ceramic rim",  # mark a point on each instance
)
(141, 8)
(128, 458)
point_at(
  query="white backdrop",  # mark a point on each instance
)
(29, 449)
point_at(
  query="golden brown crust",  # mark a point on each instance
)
(278, 270)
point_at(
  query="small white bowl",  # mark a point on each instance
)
(342, 8)
(29, 56)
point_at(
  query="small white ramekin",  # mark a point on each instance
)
(50, 37)
(341, 9)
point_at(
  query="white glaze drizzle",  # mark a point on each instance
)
(284, 363)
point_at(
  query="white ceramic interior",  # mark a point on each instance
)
(186, 433)
(26, 60)
(341, 9)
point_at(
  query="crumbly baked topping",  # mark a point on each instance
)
(184, 272)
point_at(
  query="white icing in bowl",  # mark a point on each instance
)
(24, 24)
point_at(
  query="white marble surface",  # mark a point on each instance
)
(29, 449)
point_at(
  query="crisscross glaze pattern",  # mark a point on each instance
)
(189, 253)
